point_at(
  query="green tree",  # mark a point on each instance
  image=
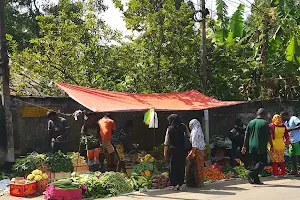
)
(77, 53)
(167, 46)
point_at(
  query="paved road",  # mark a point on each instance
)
(232, 190)
(287, 189)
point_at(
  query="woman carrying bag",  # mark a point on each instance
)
(175, 148)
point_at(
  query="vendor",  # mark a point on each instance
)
(58, 130)
(107, 126)
(91, 138)
(117, 139)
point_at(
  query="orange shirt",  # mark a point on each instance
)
(106, 125)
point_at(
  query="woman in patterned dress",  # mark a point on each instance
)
(280, 137)
(196, 156)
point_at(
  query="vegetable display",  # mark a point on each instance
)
(241, 172)
(116, 183)
(270, 170)
(148, 158)
(144, 166)
(229, 172)
(161, 181)
(78, 160)
(213, 174)
(67, 184)
(92, 186)
(59, 162)
(28, 164)
(267, 171)
(3, 176)
(37, 175)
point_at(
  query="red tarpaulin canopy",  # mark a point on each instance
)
(106, 101)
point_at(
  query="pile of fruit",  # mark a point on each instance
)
(161, 181)
(78, 160)
(148, 158)
(37, 175)
(213, 174)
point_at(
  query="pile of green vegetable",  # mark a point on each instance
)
(144, 166)
(241, 172)
(59, 162)
(28, 164)
(97, 185)
(140, 181)
(4, 176)
(67, 184)
(116, 183)
(92, 186)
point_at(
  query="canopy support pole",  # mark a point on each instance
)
(154, 127)
(206, 126)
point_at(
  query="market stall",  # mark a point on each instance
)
(56, 175)
(106, 101)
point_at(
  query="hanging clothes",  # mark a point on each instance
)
(153, 120)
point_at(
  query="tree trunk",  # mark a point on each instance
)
(5, 88)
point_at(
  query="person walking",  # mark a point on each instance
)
(175, 148)
(237, 135)
(91, 138)
(257, 136)
(280, 138)
(195, 159)
(293, 126)
(58, 131)
(107, 126)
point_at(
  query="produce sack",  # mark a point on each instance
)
(53, 192)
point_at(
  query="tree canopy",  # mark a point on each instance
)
(257, 57)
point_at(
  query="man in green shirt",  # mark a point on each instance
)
(257, 136)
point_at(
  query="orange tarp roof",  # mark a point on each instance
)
(105, 101)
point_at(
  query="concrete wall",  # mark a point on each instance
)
(222, 119)
(30, 133)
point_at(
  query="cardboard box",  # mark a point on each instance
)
(41, 186)
(81, 169)
(22, 190)
(60, 175)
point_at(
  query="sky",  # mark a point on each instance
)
(113, 16)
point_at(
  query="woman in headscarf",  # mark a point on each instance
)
(280, 137)
(195, 163)
(175, 149)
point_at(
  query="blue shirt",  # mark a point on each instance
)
(292, 123)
